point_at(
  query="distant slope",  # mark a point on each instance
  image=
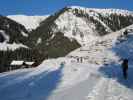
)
(11, 31)
(12, 42)
(30, 22)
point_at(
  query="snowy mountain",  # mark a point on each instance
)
(105, 12)
(30, 22)
(84, 24)
(76, 26)
(11, 32)
(79, 22)
(56, 35)
(12, 42)
(90, 45)
(97, 77)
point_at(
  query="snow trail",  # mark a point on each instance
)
(100, 90)
(77, 92)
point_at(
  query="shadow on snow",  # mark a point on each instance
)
(114, 70)
(37, 88)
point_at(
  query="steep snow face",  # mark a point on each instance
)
(78, 27)
(30, 22)
(74, 27)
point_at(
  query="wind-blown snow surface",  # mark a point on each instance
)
(30, 22)
(98, 77)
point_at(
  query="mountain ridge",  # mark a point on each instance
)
(72, 21)
(64, 31)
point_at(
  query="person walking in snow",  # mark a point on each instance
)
(125, 68)
(62, 64)
(81, 59)
(125, 33)
(78, 60)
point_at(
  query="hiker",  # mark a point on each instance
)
(81, 59)
(62, 64)
(78, 59)
(125, 68)
(125, 33)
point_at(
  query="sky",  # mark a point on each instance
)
(46, 7)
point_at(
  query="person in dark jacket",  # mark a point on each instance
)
(125, 68)
(125, 33)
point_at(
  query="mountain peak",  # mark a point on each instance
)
(103, 10)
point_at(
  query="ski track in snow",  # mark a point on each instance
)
(77, 92)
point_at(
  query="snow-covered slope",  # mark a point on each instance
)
(97, 77)
(84, 24)
(101, 49)
(4, 45)
(75, 27)
(12, 34)
(80, 23)
(30, 22)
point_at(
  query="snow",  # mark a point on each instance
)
(30, 22)
(29, 63)
(17, 62)
(72, 26)
(69, 24)
(6, 37)
(14, 62)
(14, 46)
(39, 41)
(24, 34)
(98, 77)
(81, 30)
